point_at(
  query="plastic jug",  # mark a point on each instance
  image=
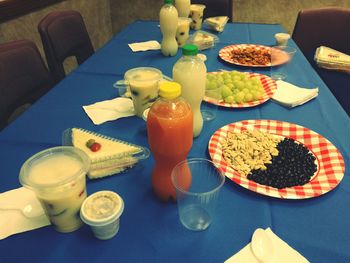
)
(170, 137)
(190, 71)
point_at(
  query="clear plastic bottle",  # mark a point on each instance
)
(183, 7)
(168, 19)
(190, 72)
(170, 137)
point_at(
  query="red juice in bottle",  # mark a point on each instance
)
(170, 136)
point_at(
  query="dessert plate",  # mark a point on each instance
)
(330, 162)
(251, 55)
(269, 86)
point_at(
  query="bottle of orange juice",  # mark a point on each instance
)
(170, 136)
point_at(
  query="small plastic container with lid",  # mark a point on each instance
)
(102, 211)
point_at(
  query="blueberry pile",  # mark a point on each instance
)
(294, 165)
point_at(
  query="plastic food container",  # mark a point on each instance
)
(203, 40)
(102, 211)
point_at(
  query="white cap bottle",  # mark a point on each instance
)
(168, 19)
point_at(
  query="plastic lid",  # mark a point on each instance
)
(101, 208)
(169, 90)
(168, 1)
(189, 50)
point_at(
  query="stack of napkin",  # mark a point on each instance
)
(282, 252)
(144, 46)
(13, 220)
(109, 110)
(326, 57)
(290, 95)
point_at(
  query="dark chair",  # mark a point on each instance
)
(23, 78)
(63, 34)
(216, 8)
(323, 27)
(328, 27)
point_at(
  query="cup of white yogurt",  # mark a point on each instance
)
(102, 211)
(183, 30)
(282, 39)
(196, 15)
(58, 178)
(144, 85)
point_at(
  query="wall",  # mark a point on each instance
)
(282, 12)
(124, 12)
(96, 15)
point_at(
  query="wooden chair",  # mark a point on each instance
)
(23, 78)
(63, 34)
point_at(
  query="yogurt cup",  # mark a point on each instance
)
(102, 211)
(282, 39)
(57, 176)
(144, 85)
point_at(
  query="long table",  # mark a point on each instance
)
(150, 230)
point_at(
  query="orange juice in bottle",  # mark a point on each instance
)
(170, 136)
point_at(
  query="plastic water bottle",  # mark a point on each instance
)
(183, 7)
(170, 137)
(168, 19)
(190, 71)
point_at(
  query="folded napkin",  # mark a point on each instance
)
(109, 110)
(282, 252)
(290, 95)
(326, 57)
(144, 46)
(13, 220)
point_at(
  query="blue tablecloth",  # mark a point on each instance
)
(150, 230)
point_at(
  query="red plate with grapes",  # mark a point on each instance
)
(269, 88)
(330, 163)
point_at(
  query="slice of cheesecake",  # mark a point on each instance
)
(217, 23)
(112, 155)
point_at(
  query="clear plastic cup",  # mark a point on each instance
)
(197, 202)
(144, 85)
(57, 176)
(282, 39)
(281, 62)
(196, 15)
(183, 30)
(102, 211)
(210, 108)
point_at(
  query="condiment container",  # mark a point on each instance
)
(102, 211)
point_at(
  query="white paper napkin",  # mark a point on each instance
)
(282, 252)
(109, 110)
(290, 95)
(144, 46)
(12, 220)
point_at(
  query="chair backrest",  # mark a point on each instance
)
(23, 77)
(216, 7)
(323, 26)
(63, 34)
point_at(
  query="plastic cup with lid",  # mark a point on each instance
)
(102, 211)
(282, 39)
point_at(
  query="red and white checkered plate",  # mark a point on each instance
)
(269, 86)
(226, 55)
(329, 160)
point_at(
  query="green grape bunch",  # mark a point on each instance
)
(234, 87)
